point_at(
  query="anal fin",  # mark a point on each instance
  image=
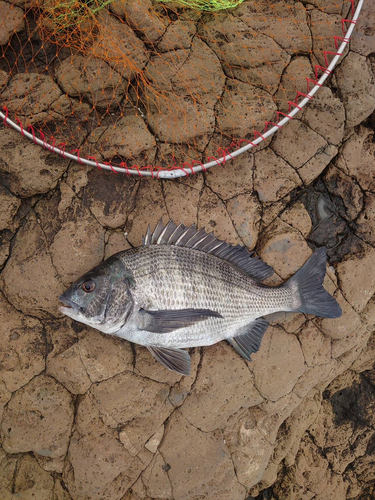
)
(174, 359)
(249, 342)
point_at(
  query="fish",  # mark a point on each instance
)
(186, 288)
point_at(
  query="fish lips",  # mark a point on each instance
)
(72, 306)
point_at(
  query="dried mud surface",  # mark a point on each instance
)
(88, 417)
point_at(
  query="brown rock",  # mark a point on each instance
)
(119, 46)
(343, 326)
(325, 114)
(29, 278)
(99, 467)
(357, 158)
(16, 156)
(5, 396)
(252, 105)
(293, 80)
(366, 220)
(22, 347)
(273, 177)
(182, 202)
(213, 214)
(31, 481)
(110, 202)
(355, 80)
(283, 248)
(297, 153)
(274, 375)
(298, 217)
(325, 24)
(364, 41)
(315, 166)
(245, 212)
(115, 242)
(357, 284)
(104, 356)
(274, 21)
(77, 247)
(150, 207)
(67, 367)
(38, 418)
(140, 15)
(316, 347)
(178, 35)
(12, 21)
(342, 185)
(233, 177)
(197, 74)
(78, 76)
(240, 40)
(126, 402)
(8, 464)
(207, 470)
(155, 479)
(9, 205)
(224, 387)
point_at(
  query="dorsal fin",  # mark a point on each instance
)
(190, 237)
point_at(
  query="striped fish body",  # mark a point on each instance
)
(186, 288)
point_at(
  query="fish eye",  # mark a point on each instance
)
(88, 286)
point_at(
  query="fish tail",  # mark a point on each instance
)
(308, 286)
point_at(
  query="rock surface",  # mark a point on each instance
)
(88, 416)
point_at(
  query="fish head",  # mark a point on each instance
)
(101, 298)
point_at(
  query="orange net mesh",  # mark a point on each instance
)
(160, 85)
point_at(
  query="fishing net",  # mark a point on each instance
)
(163, 88)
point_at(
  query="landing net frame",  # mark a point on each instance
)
(194, 167)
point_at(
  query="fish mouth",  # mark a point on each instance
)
(72, 306)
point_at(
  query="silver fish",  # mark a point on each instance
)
(186, 288)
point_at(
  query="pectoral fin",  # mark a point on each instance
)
(165, 321)
(174, 359)
(249, 342)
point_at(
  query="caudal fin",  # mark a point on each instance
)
(308, 283)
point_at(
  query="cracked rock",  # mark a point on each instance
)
(38, 418)
(12, 21)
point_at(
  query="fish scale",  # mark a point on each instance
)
(186, 288)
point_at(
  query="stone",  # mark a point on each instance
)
(366, 220)
(31, 481)
(16, 156)
(104, 356)
(293, 80)
(22, 347)
(126, 403)
(38, 418)
(118, 45)
(273, 177)
(150, 208)
(77, 247)
(274, 375)
(213, 215)
(110, 202)
(316, 347)
(275, 21)
(298, 217)
(9, 205)
(155, 479)
(224, 387)
(67, 367)
(99, 467)
(29, 278)
(325, 114)
(181, 202)
(5, 396)
(78, 76)
(283, 248)
(12, 21)
(207, 470)
(140, 15)
(129, 139)
(233, 177)
(357, 284)
(364, 41)
(315, 166)
(115, 242)
(325, 23)
(244, 109)
(342, 185)
(355, 81)
(245, 211)
(357, 158)
(154, 441)
(343, 326)
(178, 35)
(239, 41)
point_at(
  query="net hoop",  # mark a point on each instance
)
(194, 167)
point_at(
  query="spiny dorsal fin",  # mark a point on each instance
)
(190, 237)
